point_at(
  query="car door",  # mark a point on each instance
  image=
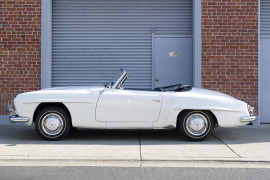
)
(129, 106)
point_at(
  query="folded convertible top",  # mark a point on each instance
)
(176, 88)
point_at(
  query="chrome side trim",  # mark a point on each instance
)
(248, 118)
(15, 119)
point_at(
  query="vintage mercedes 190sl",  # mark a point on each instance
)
(194, 112)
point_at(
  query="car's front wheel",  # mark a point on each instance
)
(196, 125)
(52, 123)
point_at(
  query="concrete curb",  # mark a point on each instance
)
(59, 158)
(108, 158)
(127, 163)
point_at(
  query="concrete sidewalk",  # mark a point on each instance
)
(19, 142)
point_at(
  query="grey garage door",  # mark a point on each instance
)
(265, 62)
(94, 38)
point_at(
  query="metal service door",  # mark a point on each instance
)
(172, 61)
(265, 63)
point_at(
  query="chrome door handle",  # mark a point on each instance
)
(156, 100)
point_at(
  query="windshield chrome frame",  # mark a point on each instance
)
(120, 80)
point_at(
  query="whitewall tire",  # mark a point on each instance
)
(53, 123)
(196, 125)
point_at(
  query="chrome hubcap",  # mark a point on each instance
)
(52, 124)
(197, 124)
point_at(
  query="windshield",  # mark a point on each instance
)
(114, 79)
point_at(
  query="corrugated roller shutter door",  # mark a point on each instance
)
(92, 39)
(265, 19)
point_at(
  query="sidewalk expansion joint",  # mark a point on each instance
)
(227, 146)
(140, 145)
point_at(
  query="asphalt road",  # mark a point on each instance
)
(130, 173)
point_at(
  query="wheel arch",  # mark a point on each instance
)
(185, 110)
(43, 105)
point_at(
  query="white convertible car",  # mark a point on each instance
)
(194, 112)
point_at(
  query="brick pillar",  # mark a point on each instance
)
(230, 48)
(20, 52)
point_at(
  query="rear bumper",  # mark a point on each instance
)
(246, 119)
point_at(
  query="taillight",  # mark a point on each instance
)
(250, 110)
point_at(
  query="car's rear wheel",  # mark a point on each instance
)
(196, 125)
(53, 123)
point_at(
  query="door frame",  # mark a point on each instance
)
(258, 120)
(153, 52)
(197, 45)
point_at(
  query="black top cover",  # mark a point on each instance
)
(176, 88)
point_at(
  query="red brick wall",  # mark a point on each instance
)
(20, 34)
(230, 48)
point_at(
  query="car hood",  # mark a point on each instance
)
(74, 88)
(61, 94)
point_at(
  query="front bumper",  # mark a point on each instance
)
(14, 118)
(247, 119)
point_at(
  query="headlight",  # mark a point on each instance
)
(11, 110)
